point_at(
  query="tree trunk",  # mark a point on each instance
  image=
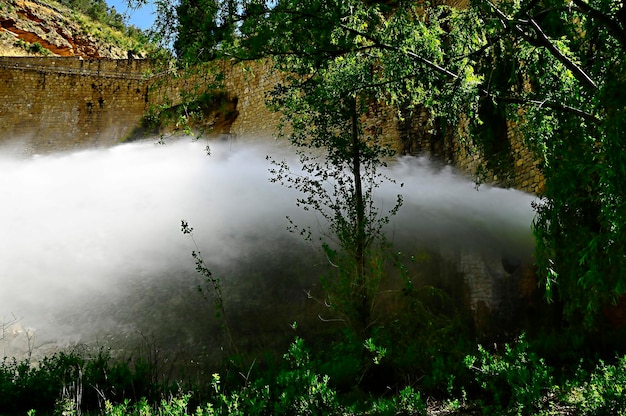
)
(361, 296)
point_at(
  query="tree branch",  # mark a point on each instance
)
(553, 105)
(377, 43)
(576, 70)
(515, 25)
(443, 71)
(612, 26)
(542, 40)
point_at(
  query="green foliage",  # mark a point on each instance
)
(407, 402)
(199, 114)
(23, 386)
(571, 115)
(35, 48)
(105, 23)
(517, 380)
(213, 285)
(76, 382)
(202, 26)
(555, 69)
(300, 389)
(410, 402)
(98, 10)
(176, 406)
(600, 392)
(38, 49)
(296, 389)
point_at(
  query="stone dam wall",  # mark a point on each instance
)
(54, 104)
(248, 85)
(51, 104)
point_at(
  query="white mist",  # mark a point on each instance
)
(91, 241)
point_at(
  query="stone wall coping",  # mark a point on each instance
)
(106, 68)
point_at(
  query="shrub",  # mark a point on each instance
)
(76, 381)
(603, 392)
(38, 48)
(517, 380)
(24, 386)
(295, 389)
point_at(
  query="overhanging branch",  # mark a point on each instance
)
(453, 76)
(552, 105)
(542, 40)
(612, 26)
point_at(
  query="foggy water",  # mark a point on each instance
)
(91, 247)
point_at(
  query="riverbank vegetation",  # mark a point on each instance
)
(109, 25)
(555, 70)
(508, 380)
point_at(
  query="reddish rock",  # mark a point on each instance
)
(55, 28)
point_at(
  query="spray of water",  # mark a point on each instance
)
(92, 247)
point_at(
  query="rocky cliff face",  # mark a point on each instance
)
(38, 27)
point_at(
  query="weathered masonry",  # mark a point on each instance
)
(60, 103)
(410, 134)
(56, 103)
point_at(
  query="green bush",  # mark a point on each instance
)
(38, 48)
(98, 10)
(407, 402)
(516, 380)
(75, 380)
(297, 389)
(603, 392)
(24, 386)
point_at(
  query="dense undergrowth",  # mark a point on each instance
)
(342, 378)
